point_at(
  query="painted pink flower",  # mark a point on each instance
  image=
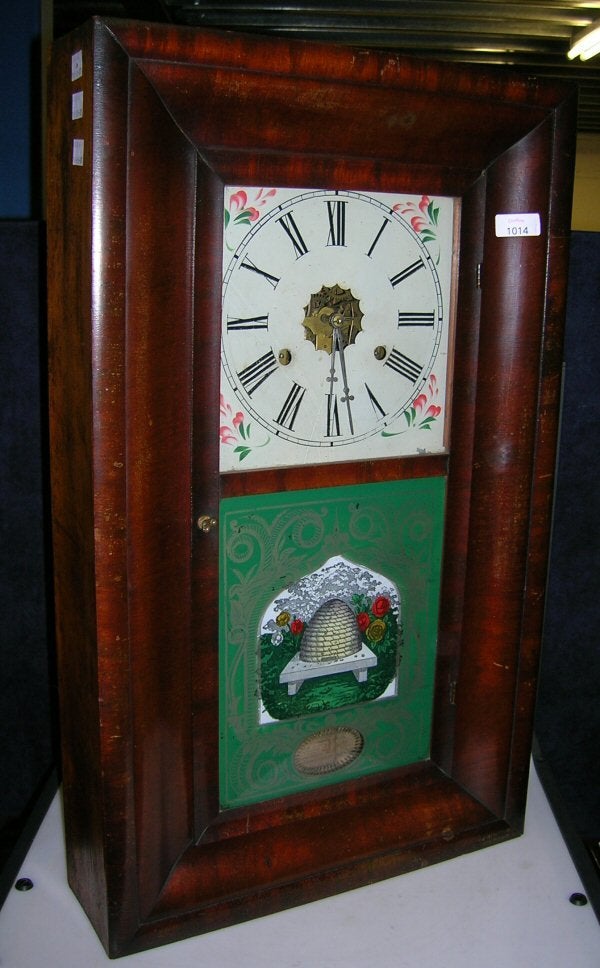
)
(424, 203)
(418, 223)
(239, 200)
(433, 411)
(229, 432)
(226, 435)
(420, 401)
(226, 410)
(244, 213)
(235, 432)
(265, 194)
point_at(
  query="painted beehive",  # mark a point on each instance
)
(331, 634)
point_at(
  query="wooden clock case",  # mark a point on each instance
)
(161, 119)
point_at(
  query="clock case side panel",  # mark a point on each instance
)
(546, 448)
(159, 296)
(459, 468)
(86, 211)
(487, 686)
(121, 309)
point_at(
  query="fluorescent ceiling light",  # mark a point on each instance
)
(586, 43)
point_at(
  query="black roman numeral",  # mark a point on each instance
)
(333, 417)
(336, 213)
(404, 366)
(378, 409)
(406, 273)
(250, 322)
(248, 264)
(416, 319)
(293, 233)
(291, 406)
(255, 374)
(384, 225)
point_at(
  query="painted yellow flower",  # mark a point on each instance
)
(376, 630)
(283, 618)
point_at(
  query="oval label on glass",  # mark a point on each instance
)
(328, 750)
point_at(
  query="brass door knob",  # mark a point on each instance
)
(206, 523)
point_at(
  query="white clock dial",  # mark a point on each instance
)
(335, 327)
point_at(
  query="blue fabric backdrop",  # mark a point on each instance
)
(26, 722)
(568, 711)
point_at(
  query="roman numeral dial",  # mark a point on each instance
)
(335, 321)
(291, 406)
(336, 212)
(253, 375)
(404, 366)
(292, 231)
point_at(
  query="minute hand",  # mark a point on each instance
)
(347, 397)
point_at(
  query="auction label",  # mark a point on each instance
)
(517, 225)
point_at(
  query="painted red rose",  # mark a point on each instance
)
(297, 626)
(363, 621)
(380, 606)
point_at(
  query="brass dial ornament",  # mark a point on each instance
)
(332, 308)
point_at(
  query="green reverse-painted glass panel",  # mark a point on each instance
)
(328, 634)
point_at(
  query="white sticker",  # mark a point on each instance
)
(76, 65)
(517, 225)
(78, 151)
(77, 105)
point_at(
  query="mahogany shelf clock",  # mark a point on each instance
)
(306, 307)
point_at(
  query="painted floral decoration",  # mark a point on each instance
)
(241, 211)
(284, 627)
(281, 640)
(423, 217)
(381, 606)
(370, 617)
(423, 410)
(376, 630)
(235, 431)
(363, 620)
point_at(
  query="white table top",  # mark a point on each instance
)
(506, 906)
